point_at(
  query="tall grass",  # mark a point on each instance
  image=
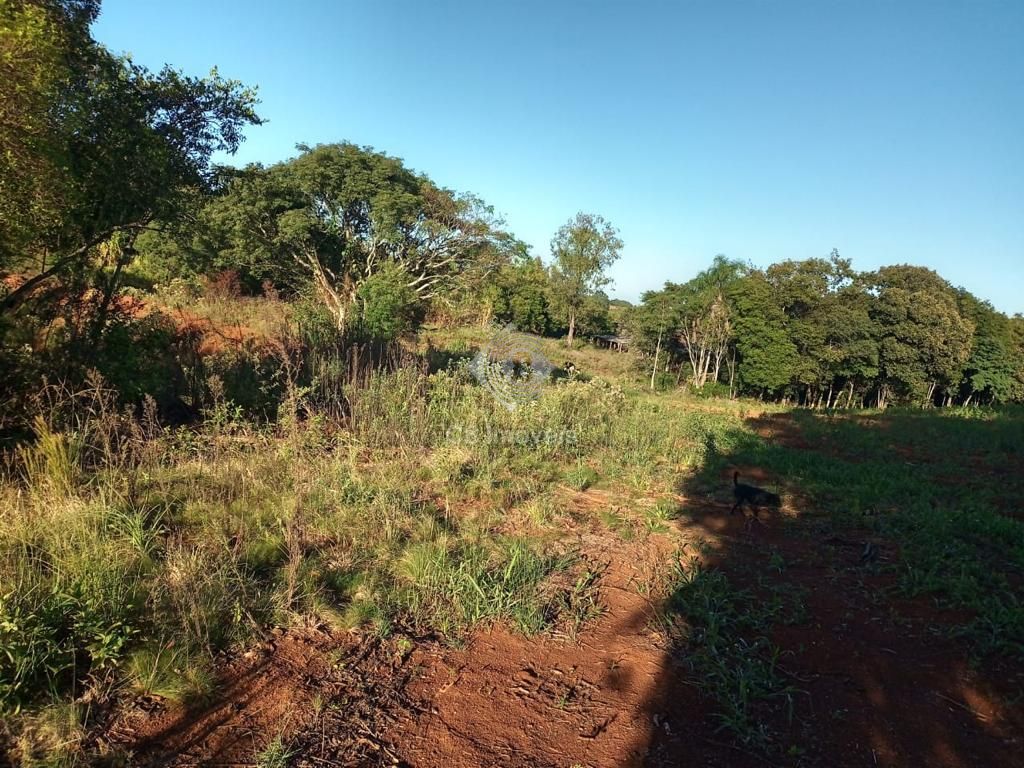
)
(396, 500)
(134, 553)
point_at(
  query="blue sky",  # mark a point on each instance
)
(762, 130)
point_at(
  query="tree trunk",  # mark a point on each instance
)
(657, 352)
(706, 362)
(732, 375)
(572, 327)
(100, 321)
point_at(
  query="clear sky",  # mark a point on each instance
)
(768, 130)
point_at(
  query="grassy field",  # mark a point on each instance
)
(133, 558)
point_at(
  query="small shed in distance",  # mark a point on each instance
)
(621, 343)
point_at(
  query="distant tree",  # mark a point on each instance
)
(826, 306)
(705, 318)
(990, 373)
(1016, 325)
(582, 249)
(653, 325)
(802, 290)
(594, 316)
(518, 293)
(767, 356)
(338, 213)
(853, 335)
(925, 342)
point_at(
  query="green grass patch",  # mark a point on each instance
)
(722, 632)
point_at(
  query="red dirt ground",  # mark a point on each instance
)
(878, 685)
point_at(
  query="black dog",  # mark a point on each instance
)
(752, 496)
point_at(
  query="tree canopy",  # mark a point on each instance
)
(95, 145)
(338, 214)
(820, 333)
(582, 249)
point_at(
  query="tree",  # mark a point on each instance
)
(388, 306)
(517, 293)
(1016, 328)
(826, 304)
(34, 43)
(653, 323)
(990, 371)
(97, 147)
(768, 357)
(924, 340)
(337, 214)
(853, 335)
(705, 322)
(583, 248)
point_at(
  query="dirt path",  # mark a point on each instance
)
(514, 701)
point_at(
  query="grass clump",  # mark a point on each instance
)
(275, 755)
(452, 587)
(581, 477)
(724, 632)
(164, 670)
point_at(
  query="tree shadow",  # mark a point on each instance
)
(793, 645)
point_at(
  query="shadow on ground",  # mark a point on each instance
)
(807, 652)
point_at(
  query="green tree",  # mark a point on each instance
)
(705, 318)
(925, 342)
(389, 307)
(826, 306)
(990, 373)
(767, 356)
(583, 248)
(1016, 326)
(35, 41)
(653, 324)
(337, 214)
(97, 146)
(853, 336)
(518, 293)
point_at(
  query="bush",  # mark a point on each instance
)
(389, 307)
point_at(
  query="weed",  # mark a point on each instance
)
(275, 755)
(581, 477)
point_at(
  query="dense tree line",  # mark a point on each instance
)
(368, 238)
(819, 333)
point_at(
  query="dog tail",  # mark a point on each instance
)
(735, 478)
